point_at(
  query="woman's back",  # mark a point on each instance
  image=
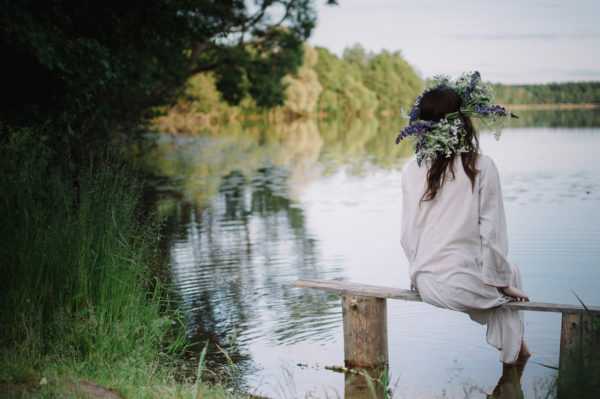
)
(443, 235)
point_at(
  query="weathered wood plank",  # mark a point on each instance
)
(553, 307)
(350, 288)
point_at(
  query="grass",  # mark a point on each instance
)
(77, 298)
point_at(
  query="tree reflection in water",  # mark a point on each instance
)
(236, 238)
(233, 262)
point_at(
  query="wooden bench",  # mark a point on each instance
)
(364, 314)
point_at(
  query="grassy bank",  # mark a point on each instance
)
(77, 297)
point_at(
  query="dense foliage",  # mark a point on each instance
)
(344, 91)
(388, 75)
(357, 84)
(551, 93)
(90, 68)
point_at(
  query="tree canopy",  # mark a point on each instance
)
(94, 67)
(358, 84)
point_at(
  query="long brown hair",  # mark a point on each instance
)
(434, 105)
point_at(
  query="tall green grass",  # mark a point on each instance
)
(77, 296)
(75, 275)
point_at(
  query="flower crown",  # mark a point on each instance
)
(447, 136)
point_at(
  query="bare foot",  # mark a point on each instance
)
(522, 358)
(515, 293)
(524, 350)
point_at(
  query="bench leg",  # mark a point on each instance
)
(365, 332)
(579, 351)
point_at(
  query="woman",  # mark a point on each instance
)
(453, 223)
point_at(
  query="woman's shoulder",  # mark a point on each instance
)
(485, 163)
(409, 165)
(488, 171)
(411, 172)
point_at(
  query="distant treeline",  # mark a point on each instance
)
(359, 83)
(557, 118)
(551, 93)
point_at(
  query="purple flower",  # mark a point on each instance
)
(414, 129)
(414, 112)
(492, 110)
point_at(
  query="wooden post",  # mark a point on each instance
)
(579, 350)
(579, 339)
(365, 331)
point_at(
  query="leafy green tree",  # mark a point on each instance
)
(344, 92)
(357, 54)
(394, 80)
(388, 75)
(304, 88)
(94, 68)
(358, 84)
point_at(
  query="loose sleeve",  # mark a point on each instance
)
(405, 239)
(492, 226)
(407, 236)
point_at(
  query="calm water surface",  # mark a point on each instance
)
(250, 211)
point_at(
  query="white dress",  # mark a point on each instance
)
(457, 249)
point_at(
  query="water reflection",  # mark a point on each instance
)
(251, 210)
(233, 258)
(509, 384)
(375, 384)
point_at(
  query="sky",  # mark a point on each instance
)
(508, 41)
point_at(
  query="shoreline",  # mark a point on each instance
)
(552, 106)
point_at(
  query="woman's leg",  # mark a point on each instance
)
(524, 352)
(467, 293)
(505, 327)
(509, 326)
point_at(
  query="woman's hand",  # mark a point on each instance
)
(515, 293)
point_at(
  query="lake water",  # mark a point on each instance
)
(251, 210)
